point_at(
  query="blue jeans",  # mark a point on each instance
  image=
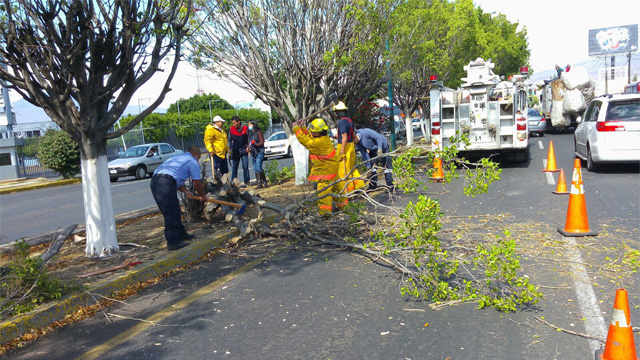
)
(384, 161)
(220, 165)
(235, 162)
(256, 160)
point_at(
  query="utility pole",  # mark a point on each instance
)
(390, 88)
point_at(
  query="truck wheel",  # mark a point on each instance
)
(141, 172)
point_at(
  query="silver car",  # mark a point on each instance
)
(141, 160)
(609, 131)
(537, 122)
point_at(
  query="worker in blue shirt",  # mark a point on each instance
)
(166, 181)
(369, 145)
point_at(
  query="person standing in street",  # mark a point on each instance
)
(215, 140)
(256, 149)
(370, 142)
(346, 149)
(324, 169)
(238, 143)
(167, 180)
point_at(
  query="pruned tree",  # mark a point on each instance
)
(291, 54)
(82, 61)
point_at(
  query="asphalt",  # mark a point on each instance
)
(44, 316)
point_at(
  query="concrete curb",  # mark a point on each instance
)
(41, 317)
(18, 188)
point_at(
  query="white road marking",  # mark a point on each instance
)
(594, 323)
(550, 179)
(540, 145)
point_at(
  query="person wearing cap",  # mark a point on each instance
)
(346, 149)
(215, 140)
(166, 181)
(370, 142)
(324, 169)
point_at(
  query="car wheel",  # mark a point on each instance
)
(141, 172)
(541, 134)
(289, 152)
(591, 165)
(113, 179)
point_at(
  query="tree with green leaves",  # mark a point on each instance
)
(82, 61)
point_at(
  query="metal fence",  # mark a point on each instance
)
(30, 167)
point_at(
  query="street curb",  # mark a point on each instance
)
(41, 317)
(39, 186)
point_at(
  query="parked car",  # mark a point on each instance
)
(141, 160)
(416, 123)
(609, 130)
(537, 122)
(277, 145)
(401, 129)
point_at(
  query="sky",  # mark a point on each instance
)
(558, 30)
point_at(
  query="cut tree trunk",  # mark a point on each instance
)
(98, 208)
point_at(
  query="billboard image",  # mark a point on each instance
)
(618, 39)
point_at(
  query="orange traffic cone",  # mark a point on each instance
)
(577, 223)
(620, 344)
(551, 159)
(561, 189)
(438, 175)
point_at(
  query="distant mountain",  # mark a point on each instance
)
(26, 113)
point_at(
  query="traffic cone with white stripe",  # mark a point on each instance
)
(561, 189)
(620, 344)
(577, 223)
(438, 175)
(551, 159)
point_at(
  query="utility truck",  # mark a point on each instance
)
(564, 98)
(491, 113)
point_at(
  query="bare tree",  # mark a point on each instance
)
(290, 54)
(82, 61)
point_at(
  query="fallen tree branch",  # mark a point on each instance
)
(569, 331)
(57, 243)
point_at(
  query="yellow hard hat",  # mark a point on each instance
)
(318, 125)
(340, 106)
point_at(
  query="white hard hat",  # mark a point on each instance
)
(217, 118)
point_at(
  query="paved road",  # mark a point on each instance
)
(38, 212)
(320, 303)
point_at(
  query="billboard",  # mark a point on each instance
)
(617, 39)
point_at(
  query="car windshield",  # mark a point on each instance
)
(277, 136)
(136, 151)
(533, 112)
(628, 110)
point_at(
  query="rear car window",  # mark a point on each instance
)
(627, 110)
(533, 112)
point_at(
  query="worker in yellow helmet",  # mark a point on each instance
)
(347, 140)
(324, 162)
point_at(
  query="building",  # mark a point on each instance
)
(8, 140)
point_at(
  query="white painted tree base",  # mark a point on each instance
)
(300, 160)
(98, 208)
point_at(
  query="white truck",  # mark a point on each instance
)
(563, 99)
(490, 112)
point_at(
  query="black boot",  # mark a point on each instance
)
(263, 180)
(258, 180)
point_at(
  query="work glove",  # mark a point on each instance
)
(342, 156)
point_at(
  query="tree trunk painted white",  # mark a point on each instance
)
(98, 208)
(300, 159)
(409, 126)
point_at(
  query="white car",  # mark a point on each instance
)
(141, 160)
(277, 145)
(609, 130)
(416, 123)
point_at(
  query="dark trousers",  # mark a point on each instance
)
(164, 190)
(220, 165)
(235, 163)
(383, 162)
